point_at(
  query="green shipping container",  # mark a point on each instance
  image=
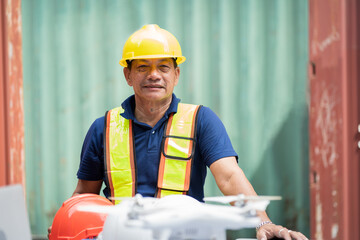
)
(246, 60)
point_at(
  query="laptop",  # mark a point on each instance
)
(14, 221)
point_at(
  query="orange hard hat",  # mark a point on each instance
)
(70, 223)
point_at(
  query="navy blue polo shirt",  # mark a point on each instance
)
(212, 144)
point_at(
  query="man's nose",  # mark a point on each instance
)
(154, 73)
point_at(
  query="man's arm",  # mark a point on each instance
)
(84, 186)
(231, 180)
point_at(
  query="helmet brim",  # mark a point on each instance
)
(179, 59)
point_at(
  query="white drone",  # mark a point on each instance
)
(178, 217)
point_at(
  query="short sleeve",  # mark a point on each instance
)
(212, 138)
(92, 153)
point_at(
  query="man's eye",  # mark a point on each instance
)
(142, 68)
(164, 68)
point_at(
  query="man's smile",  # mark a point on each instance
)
(157, 86)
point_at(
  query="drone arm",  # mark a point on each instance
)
(231, 180)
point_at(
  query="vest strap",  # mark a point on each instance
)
(178, 146)
(120, 164)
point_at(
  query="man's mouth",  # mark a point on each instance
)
(153, 86)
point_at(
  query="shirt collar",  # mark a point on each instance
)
(129, 107)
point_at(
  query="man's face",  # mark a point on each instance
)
(152, 79)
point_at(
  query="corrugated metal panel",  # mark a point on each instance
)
(12, 159)
(3, 120)
(334, 119)
(245, 59)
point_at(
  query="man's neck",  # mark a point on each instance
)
(151, 112)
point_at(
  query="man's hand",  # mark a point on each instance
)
(270, 231)
(49, 231)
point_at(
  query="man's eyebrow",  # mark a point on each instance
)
(164, 61)
(141, 64)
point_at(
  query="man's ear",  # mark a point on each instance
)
(177, 75)
(127, 76)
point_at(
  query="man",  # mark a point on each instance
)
(156, 146)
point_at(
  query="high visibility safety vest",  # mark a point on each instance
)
(177, 151)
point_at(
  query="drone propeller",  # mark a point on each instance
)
(241, 197)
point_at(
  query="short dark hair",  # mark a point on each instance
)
(128, 62)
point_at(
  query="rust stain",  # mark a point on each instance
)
(326, 42)
(326, 122)
(14, 89)
(326, 151)
(327, 137)
(334, 231)
(318, 215)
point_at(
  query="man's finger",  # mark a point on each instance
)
(283, 233)
(297, 235)
(262, 236)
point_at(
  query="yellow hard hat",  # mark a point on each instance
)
(151, 41)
